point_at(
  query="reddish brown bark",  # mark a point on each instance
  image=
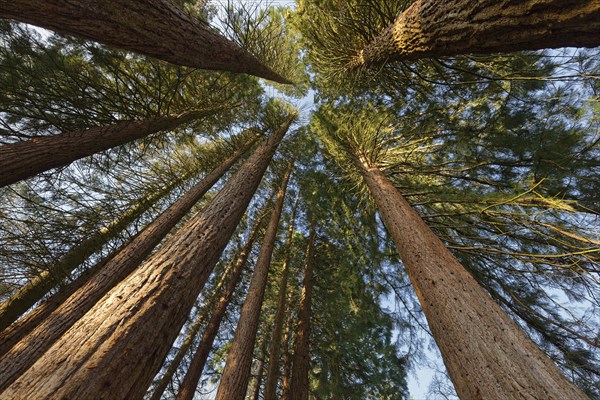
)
(194, 372)
(287, 357)
(142, 293)
(485, 352)
(25, 159)
(432, 28)
(52, 275)
(275, 346)
(88, 292)
(157, 28)
(234, 382)
(301, 361)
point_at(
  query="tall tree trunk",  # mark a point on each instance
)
(52, 275)
(301, 363)
(193, 332)
(21, 160)
(432, 28)
(234, 382)
(86, 294)
(157, 28)
(286, 339)
(259, 371)
(485, 352)
(113, 270)
(130, 330)
(274, 348)
(194, 372)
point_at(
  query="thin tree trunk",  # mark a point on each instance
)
(234, 382)
(51, 276)
(194, 372)
(21, 160)
(157, 28)
(259, 371)
(301, 363)
(193, 332)
(85, 294)
(258, 381)
(433, 28)
(485, 352)
(274, 349)
(287, 357)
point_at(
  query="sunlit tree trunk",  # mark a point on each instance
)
(487, 355)
(301, 361)
(433, 28)
(234, 382)
(157, 28)
(21, 160)
(194, 372)
(75, 299)
(52, 275)
(275, 346)
(130, 330)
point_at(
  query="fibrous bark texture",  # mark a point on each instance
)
(157, 28)
(301, 361)
(25, 159)
(433, 28)
(194, 372)
(130, 329)
(234, 382)
(487, 355)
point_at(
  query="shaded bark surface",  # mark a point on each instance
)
(301, 360)
(234, 381)
(431, 28)
(194, 372)
(287, 357)
(25, 159)
(259, 372)
(55, 326)
(51, 276)
(187, 343)
(276, 334)
(157, 28)
(487, 355)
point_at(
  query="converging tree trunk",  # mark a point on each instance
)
(234, 381)
(194, 372)
(485, 352)
(275, 346)
(301, 361)
(433, 28)
(52, 275)
(55, 326)
(157, 28)
(25, 159)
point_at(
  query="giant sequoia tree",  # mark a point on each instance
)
(447, 191)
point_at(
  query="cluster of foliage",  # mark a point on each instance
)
(498, 154)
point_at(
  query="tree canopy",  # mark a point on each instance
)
(498, 153)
